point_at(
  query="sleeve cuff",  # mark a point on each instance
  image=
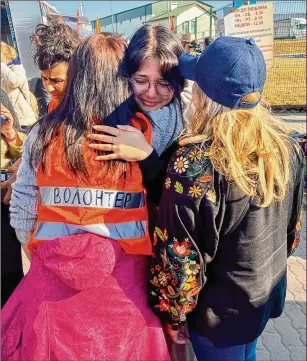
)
(151, 166)
(153, 157)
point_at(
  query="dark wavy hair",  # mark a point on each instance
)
(54, 43)
(95, 94)
(155, 41)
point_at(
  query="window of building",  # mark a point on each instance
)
(186, 27)
(192, 26)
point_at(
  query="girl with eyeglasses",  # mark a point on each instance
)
(159, 91)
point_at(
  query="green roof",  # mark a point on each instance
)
(180, 10)
(174, 12)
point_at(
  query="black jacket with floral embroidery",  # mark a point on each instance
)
(219, 254)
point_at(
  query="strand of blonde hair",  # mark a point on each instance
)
(248, 146)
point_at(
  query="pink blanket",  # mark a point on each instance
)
(83, 299)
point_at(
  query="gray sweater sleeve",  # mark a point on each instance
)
(23, 206)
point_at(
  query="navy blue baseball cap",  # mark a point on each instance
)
(227, 70)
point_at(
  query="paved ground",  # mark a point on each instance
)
(284, 339)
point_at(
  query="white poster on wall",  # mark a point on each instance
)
(254, 21)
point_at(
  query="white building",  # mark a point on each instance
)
(125, 22)
(191, 17)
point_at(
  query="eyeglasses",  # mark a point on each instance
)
(141, 86)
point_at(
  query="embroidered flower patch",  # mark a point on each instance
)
(181, 165)
(195, 191)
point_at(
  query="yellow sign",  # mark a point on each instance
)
(254, 21)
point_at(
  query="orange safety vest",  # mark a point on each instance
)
(111, 208)
(53, 105)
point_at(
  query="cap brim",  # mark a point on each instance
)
(187, 63)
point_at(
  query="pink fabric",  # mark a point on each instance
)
(83, 299)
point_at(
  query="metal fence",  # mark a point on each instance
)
(286, 83)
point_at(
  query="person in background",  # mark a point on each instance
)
(42, 96)
(195, 48)
(15, 83)
(54, 44)
(6, 102)
(230, 213)
(207, 41)
(10, 151)
(89, 242)
(186, 42)
(12, 142)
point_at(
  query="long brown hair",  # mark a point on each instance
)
(95, 94)
(249, 146)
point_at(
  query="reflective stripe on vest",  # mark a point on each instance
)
(50, 230)
(95, 198)
(113, 207)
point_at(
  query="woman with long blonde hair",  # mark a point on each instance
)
(230, 211)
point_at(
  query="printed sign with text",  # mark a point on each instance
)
(254, 21)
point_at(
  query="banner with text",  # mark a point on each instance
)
(254, 21)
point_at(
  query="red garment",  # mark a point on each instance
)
(53, 105)
(84, 298)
